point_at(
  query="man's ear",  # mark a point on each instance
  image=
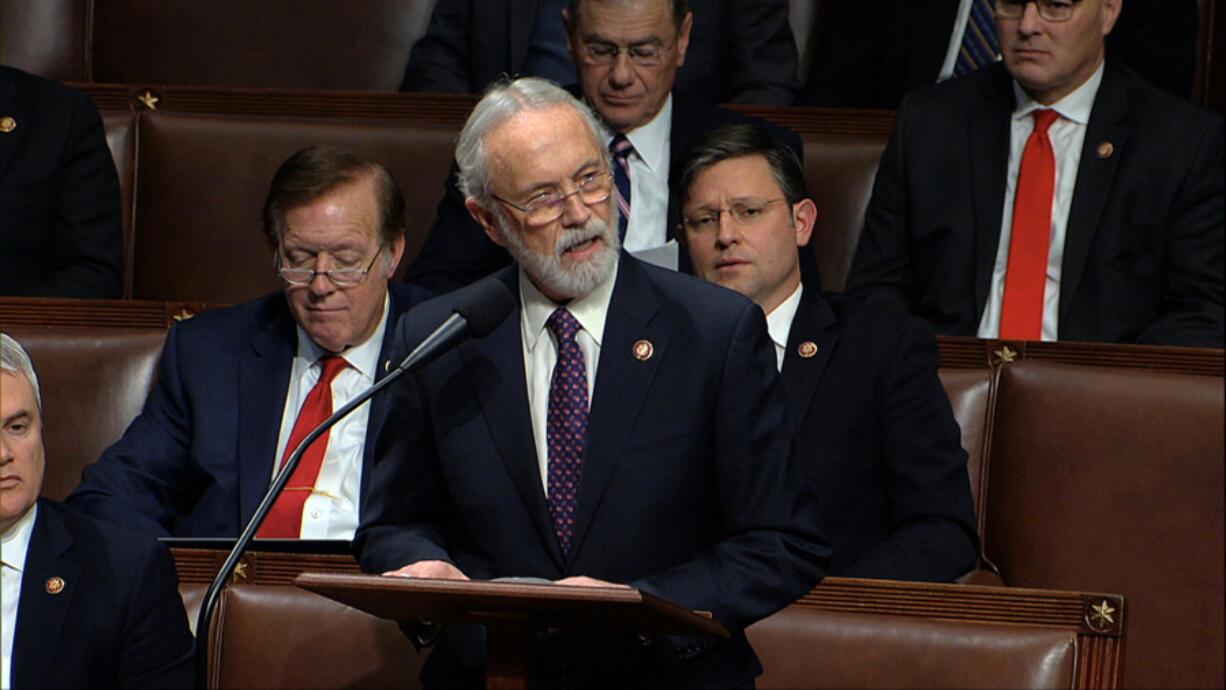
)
(571, 43)
(486, 218)
(683, 37)
(1110, 13)
(397, 253)
(804, 217)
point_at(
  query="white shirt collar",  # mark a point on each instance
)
(779, 322)
(16, 541)
(1076, 106)
(364, 357)
(590, 310)
(651, 141)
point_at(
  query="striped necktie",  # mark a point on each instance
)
(621, 148)
(979, 46)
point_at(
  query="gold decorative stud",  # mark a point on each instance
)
(643, 350)
(7, 124)
(148, 99)
(1101, 616)
(183, 314)
(1003, 355)
(240, 571)
(807, 349)
(54, 585)
(1105, 149)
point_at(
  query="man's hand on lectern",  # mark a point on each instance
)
(438, 570)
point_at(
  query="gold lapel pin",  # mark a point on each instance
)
(807, 349)
(387, 366)
(643, 350)
(1105, 149)
(7, 124)
(54, 585)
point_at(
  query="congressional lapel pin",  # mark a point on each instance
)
(807, 349)
(1105, 149)
(7, 124)
(387, 366)
(643, 350)
(54, 585)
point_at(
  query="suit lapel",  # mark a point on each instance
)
(989, 159)
(495, 367)
(17, 108)
(1094, 178)
(263, 379)
(814, 323)
(397, 306)
(40, 616)
(622, 383)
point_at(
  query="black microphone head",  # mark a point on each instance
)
(485, 305)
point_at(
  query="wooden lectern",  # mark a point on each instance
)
(512, 612)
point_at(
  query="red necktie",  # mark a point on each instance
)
(285, 519)
(1021, 316)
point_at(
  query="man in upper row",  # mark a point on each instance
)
(238, 388)
(1054, 196)
(872, 422)
(743, 50)
(627, 53)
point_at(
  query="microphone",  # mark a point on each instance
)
(479, 309)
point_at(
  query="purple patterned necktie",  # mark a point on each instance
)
(566, 425)
(621, 148)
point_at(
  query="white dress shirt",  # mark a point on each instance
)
(541, 351)
(14, 545)
(1067, 134)
(779, 323)
(332, 510)
(648, 225)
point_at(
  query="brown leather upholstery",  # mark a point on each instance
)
(839, 174)
(296, 44)
(802, 647)
(94, 382)
(202, 183)
(1112, 479)
(121, 138)
(277, 636)
(47, 37)
(193, 597)
(970, 393)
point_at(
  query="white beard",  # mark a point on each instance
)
(559, 275)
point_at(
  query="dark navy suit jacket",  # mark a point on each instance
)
(60, 211)
(199, 457)
(1143, 252)
(688, 487)
(458, 252)
(117, 622)
(876, 431)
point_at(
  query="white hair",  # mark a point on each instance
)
(502, 101)
(17, 360)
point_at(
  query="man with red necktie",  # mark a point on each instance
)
(238, 388)
(1052, 196)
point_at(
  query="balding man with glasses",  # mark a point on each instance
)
(238, 388)
(627, 54)
(1055, 195)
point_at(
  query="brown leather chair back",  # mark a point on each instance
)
(839, 174)
(971, 395)
(121, 138)
(1106, 478)
(809, 648)
(292, 44)
(202, 183)
(94, 382)
(278, 636)
(47, 37)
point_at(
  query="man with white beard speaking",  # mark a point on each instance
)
(622, 427)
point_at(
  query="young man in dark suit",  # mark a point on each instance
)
(873, 424)
(1110, 231)
(676, 478)
(234, 384)
(85, 604)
